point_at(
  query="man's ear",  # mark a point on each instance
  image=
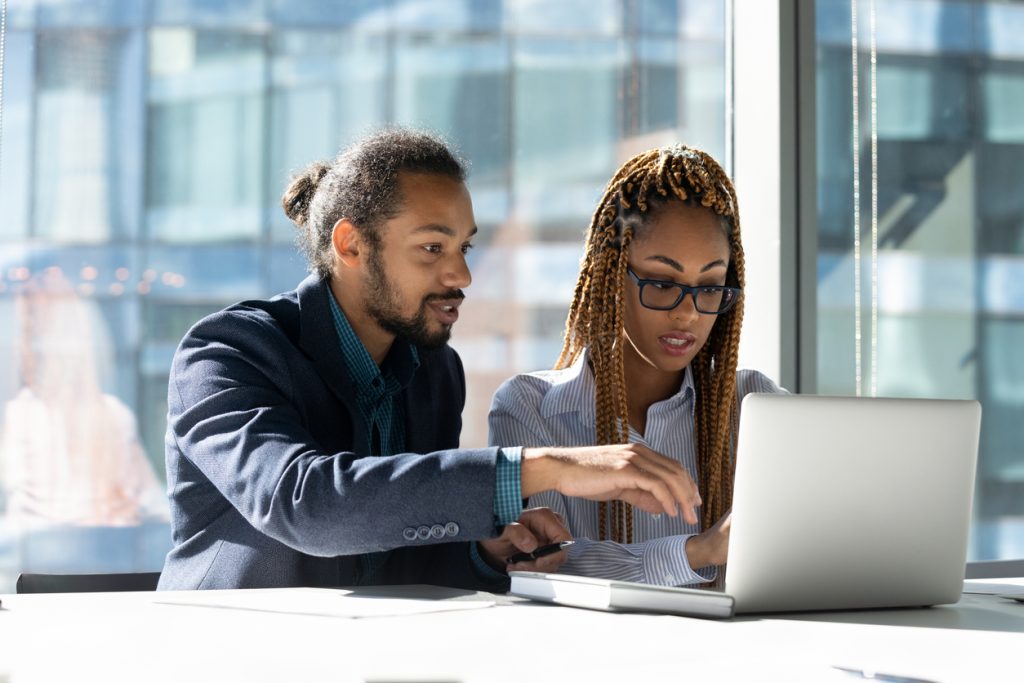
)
(347, 246)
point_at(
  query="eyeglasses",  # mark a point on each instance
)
(662, 295)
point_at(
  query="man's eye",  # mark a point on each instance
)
(432, 248)
(466, 248)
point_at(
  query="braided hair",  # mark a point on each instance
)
(652, 181)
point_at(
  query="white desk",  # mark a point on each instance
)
(133, 637)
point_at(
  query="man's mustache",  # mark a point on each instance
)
(445, 296)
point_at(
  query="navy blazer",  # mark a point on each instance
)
(265, 486)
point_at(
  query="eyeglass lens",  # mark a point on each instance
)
(708, 299)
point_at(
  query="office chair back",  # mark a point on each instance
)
(87, 583)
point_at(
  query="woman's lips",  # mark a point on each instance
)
(677, 343)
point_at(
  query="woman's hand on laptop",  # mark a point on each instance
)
(536, 527)
(629, 472)
(710, 547)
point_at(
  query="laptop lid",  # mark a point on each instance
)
(846, 503)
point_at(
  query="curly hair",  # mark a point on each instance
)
(362, 185)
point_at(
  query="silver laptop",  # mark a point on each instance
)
(847, 503)
(838, 503)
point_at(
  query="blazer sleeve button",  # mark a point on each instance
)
(423, 533)
(451, 528)
(409, 534)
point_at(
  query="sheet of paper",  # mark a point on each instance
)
(350, 603)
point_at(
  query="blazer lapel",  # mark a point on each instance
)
(421, 412)
(319, 341)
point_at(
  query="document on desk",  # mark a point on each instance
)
(354, 603)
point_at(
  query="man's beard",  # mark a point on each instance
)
(383, 307)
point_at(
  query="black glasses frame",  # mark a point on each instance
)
(730, 295)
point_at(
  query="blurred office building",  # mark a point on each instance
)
(145, 145)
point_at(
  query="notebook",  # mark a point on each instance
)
(838, 503)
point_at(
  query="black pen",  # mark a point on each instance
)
(540, 552)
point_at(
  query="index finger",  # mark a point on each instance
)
(655, 461)
(681, 487)
(647, 485)
(521, 537)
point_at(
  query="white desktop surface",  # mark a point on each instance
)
(251, 636)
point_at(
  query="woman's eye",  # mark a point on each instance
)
(660, 285)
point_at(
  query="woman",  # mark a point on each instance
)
(649, 356)
(70, 453)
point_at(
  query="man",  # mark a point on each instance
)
(280, 412)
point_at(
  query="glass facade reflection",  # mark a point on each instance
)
(941, 300)
(146, 145)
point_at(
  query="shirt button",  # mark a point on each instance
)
(423, 533)
(437, 531)
(409, 533)
(451, 528)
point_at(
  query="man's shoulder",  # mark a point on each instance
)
(283, 311)
(247, 326)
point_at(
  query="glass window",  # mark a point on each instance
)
(206, 126)
(145, 149)
(464, 16)
(458, 87)
(16, 160)
(85, 189)
(1002, 91)
(566, 111)
(916, 290)
(80, 13)
(232, 13)
(366, 15)
(328, 86)
(585, 17)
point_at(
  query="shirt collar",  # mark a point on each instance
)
(401, 362)
(573, 390)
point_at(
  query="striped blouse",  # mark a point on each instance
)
(556, 408)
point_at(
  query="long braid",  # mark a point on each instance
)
(619, 383)
(595, 319)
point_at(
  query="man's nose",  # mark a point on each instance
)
(456, 274)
